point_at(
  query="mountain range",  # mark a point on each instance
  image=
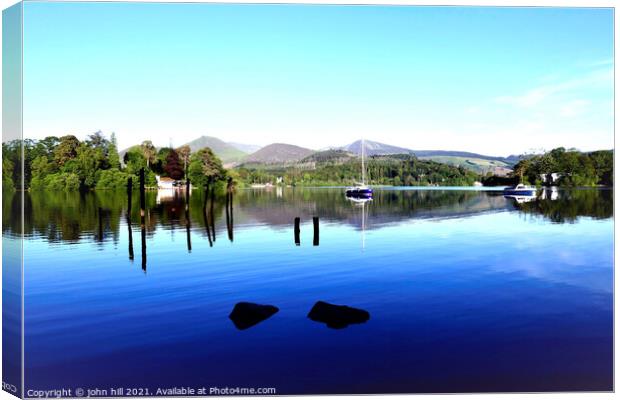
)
(235, 154)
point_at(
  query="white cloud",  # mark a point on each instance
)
(541, 94)
(574, 108)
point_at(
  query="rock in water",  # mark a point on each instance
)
(337, 317)
(245, 315)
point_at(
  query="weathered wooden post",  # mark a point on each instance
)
(315, 223)
(100, 224)
(143, 237)
(129, 190)
(142, 193)
(206, 217)
(128, 216)
(229, 216)
(296, 230)
(142, 218)
(211, 213)
(130, 236)
(229, 208)
(187, 217)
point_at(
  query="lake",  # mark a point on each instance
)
(450, 289)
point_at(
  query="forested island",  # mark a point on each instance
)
(66, 163)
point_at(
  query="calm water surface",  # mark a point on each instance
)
(465, 290)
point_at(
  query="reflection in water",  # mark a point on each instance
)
(568, 206)
(520, 199)
(336, 316)
(476, 283)
(68, 217)
(245, 315)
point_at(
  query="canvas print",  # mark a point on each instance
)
(208, 199)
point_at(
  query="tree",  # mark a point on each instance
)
(98, 141)
(66, 149)
(205, 167)
(184, 153)
(113, 157)
(134, 160)
(149, 151)
(521, 168)
(172, 166)
(7, 174)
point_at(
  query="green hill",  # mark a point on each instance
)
(478, 165)
(226, 152)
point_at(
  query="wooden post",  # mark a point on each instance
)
(100, 224)
(315, 223)
(296, 229)
(206, 217)
(142, 219)
(142, 193)
(212, 213)
(143, 237)
(130, 236)
(187, 218)
(129, 188)
(187, 187)
(229, 215)
(128, 216)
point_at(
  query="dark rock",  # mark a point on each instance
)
(245, 315)
(337, 317)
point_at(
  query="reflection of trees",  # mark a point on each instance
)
(68, 217)
(570, 205)
(387, 206)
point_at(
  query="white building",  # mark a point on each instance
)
(165, 183)
(550, 178)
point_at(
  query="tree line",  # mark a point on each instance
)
(397, 170)
(571, 168)
(66, 163)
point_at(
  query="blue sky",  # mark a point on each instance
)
(491, 80)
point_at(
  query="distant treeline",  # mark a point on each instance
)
(66, 163)
(572, 168)
(397, 170)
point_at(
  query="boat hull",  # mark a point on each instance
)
(359, 192)
(520, 192)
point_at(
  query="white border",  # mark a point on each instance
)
(512, 3)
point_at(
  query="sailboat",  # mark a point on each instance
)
(361, 190)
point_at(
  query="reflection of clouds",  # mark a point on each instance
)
(588, 265)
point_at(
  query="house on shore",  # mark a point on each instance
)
(165, 183)
(550, 179)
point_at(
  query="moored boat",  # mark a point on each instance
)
(361, 190)
(520, 190)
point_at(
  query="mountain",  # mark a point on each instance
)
(246, 148)
(225, 151)
(278, 153)
(476, 162)
(374, 148)
(329, 156)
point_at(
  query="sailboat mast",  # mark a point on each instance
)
(363, 166)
